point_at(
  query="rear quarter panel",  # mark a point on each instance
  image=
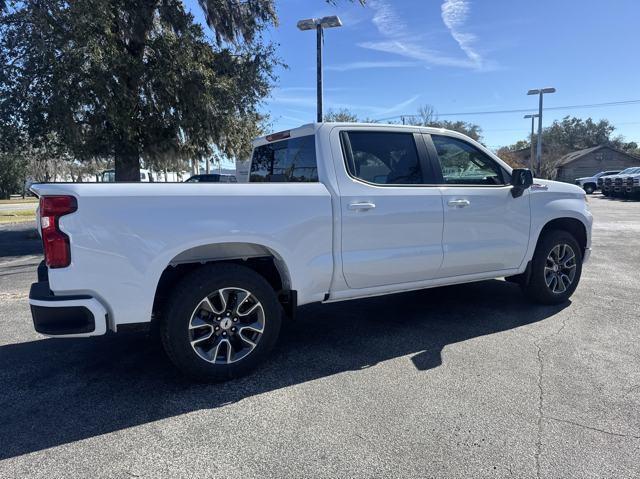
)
(123, 236)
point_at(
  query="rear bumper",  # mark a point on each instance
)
(66, 316)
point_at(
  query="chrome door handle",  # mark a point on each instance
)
(362, 205)
(459, 203)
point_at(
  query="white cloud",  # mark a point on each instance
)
(397, 38)
(367, 65)
(309, 102)
(385, 18)
(454, 16)
(412, 50)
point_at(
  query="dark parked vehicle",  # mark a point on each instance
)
(212, 178)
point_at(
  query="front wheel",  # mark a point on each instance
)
(589, 189)
(555, 268)
(221, 322)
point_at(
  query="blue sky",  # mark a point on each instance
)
(390, 57)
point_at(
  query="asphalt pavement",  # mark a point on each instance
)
(465, 381)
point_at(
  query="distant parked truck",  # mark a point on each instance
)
(590, 183)
(612, 184)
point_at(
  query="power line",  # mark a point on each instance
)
(523, 110)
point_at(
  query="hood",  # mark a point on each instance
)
(557, 187)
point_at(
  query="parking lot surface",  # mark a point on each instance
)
(464, 381)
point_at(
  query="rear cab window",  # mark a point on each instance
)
(289, 161)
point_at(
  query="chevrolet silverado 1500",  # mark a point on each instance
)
(332, 212)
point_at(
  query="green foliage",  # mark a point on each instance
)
(134, 79)
(342, 115)
(12, 171)
(427, 116)
(572, 133)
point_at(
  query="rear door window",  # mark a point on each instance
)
(382, 158)
(290, 161)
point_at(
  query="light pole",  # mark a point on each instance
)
(540, 92)
(533, 119)
(319, 24)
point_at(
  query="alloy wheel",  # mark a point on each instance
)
(226, 326)
(560, 268)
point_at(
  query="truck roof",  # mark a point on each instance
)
(312, 128)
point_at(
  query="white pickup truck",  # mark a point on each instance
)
(332, 212)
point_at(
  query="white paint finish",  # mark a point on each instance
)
(489, 233)
(559, 200)
(124, 235)
(398, 240)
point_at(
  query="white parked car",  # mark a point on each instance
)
(332, 212)
(590, 183)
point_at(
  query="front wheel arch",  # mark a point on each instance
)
(572, 226)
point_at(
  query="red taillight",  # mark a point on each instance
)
(57, 253)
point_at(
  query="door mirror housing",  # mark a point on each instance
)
(521, 179)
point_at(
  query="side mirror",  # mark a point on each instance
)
(521, 179)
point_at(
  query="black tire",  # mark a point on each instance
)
(589, 188)
(537, 289)
(189, 294)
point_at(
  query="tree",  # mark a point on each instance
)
(342, 115)
(134, 79)
(12, 172)
(568, 135)
(427, 116)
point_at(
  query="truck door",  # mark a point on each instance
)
(486, 229)
(391, 213)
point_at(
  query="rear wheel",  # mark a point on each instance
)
(555, 269)
(589, 188)
(221, 322)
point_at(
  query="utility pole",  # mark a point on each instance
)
(319, 24)
(540, 92)
(533, 119)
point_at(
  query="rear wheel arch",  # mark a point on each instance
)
(260, 258)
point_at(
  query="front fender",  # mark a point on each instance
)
(550, 205)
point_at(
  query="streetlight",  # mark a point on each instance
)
(540, 92)
(319, 24)
(533, 118)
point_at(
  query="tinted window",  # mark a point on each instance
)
(383, 158)
(463, 164)
(291, 160)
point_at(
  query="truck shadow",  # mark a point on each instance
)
(54, 392)
(19, 239)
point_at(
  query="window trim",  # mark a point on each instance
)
(426, 169)
(435, 161)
